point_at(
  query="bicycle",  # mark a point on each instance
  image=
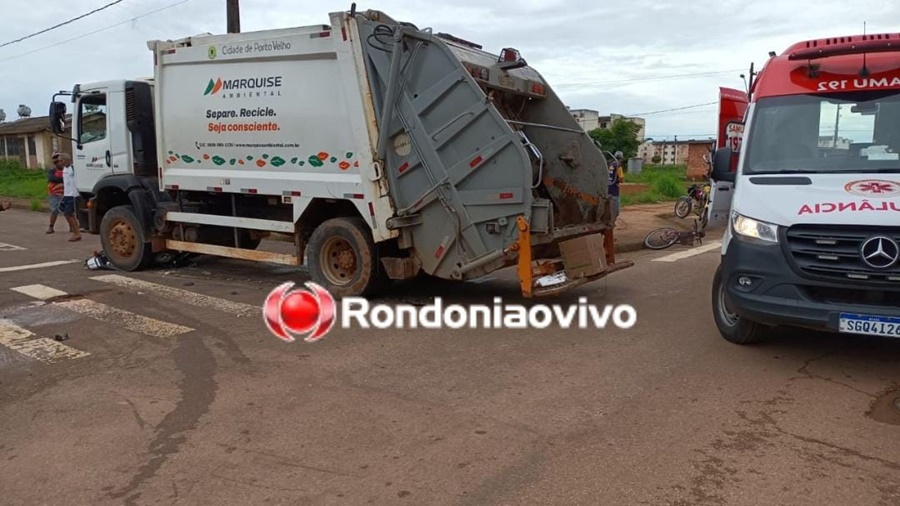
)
(665, 237)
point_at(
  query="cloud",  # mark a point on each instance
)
(622, 56)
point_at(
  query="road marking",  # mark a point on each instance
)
(186, 296)
(37, 266)
(9, 247)
(42, 349)
(681, 255)
(40, 292)
(109, 314)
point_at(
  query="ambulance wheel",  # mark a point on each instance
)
(343, 258)
(123, 241)
(732, 327)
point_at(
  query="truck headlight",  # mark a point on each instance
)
(754, 229)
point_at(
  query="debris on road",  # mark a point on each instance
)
(98, 261)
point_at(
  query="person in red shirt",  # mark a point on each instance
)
(54, 189)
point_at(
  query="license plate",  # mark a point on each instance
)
(870, 325)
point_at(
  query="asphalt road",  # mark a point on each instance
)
(163, 396)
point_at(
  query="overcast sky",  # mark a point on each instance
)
(624, 57)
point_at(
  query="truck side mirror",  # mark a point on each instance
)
(722, 166)
(58, 117)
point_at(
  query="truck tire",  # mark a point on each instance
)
(122, 238)
(343, 258)
(733, 328)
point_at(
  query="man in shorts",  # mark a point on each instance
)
(54, 190)
(70, 193)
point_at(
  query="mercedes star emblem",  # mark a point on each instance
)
(880, 252)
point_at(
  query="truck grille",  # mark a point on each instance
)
(833, 253)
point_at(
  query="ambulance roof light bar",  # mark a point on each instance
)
(869, 44)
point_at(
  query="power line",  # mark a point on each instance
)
(129, 20)
(63, 23)
(655, 78)
(672, 110)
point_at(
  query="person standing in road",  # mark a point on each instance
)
(70, 192)
(616, 176)
(54, 190)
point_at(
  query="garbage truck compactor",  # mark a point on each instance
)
(383, 150)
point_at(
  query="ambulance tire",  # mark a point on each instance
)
(123, 241)
(343, 258)
(733, 328)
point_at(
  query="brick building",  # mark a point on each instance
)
(689, 152)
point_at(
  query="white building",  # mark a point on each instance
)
(589, 119)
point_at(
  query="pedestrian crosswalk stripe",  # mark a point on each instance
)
(681, 255)
(42, 349)
(109, 314)
(185, 296)
(40, 292)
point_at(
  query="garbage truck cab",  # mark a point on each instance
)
(807, 188)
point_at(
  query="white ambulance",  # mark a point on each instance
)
(806, 182)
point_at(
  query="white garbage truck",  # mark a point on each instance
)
(383, 150)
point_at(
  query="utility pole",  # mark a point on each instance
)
(837, 121)
(233, 16)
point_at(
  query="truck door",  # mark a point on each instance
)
(94, 157)
(732, 107)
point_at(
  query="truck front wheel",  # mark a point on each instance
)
(343, 257)
(733, 328)
(122, 237)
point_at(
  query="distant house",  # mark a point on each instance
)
(31, 141)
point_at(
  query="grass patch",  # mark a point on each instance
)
(650, 173)
(18, 182)
(666, 184)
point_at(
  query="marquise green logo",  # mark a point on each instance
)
(213, 87)
(212, 53)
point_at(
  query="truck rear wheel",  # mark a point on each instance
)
(122, 238)
(733, 328)
(343, 257)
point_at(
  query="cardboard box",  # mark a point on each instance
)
(583, 256)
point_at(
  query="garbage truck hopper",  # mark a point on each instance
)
(485, 165)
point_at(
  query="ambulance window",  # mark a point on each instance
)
(92, 119)
(845, 125)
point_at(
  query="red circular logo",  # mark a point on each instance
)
(875, 188)
(287, 313)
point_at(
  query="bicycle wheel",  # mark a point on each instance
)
(661, 238)
(683, 206)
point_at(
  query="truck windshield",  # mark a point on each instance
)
(839, 133)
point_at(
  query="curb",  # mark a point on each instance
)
(25, 204)
(629, 247)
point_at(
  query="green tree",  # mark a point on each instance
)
(620, 136)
